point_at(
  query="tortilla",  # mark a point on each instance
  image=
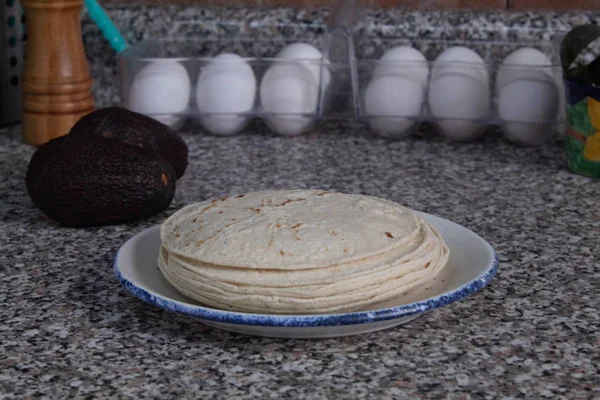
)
(295, 229)
(344, 301)
(245, 252)
(421, 244)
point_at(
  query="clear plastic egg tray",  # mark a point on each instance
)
(349, 82)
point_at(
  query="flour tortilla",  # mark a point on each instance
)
(301, 292)
(288, 229)
(336, 283)
(420, 245)
(347, 301)
(246, 253)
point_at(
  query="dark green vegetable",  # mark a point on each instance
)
(138, 130)
(109, 169)
(98, 181)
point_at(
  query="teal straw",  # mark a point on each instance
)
(106, 26)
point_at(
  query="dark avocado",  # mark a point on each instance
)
(97, 180)
(138, 130)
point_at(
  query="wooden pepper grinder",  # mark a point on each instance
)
(56, 78)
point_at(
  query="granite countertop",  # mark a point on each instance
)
(69, 330)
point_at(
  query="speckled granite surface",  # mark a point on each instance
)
(69, 330)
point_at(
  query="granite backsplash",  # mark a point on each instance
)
(141, 22)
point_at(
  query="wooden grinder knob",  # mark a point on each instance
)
(56, 78)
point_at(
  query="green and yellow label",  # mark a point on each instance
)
(583, 137)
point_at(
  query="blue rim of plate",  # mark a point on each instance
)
(304, 321)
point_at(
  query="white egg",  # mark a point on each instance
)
(309, 56)
(459, 101)
(161, 90)
(226, 87)
(389, 100)
(287, 89)
(460, 59)
(403, 59)
(528, 106)
(526, 58)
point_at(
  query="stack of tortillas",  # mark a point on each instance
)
(298, 252)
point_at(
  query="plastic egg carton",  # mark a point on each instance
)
(460, 91)
(223, 83)
(460, 87)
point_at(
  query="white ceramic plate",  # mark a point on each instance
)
(471, 265)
